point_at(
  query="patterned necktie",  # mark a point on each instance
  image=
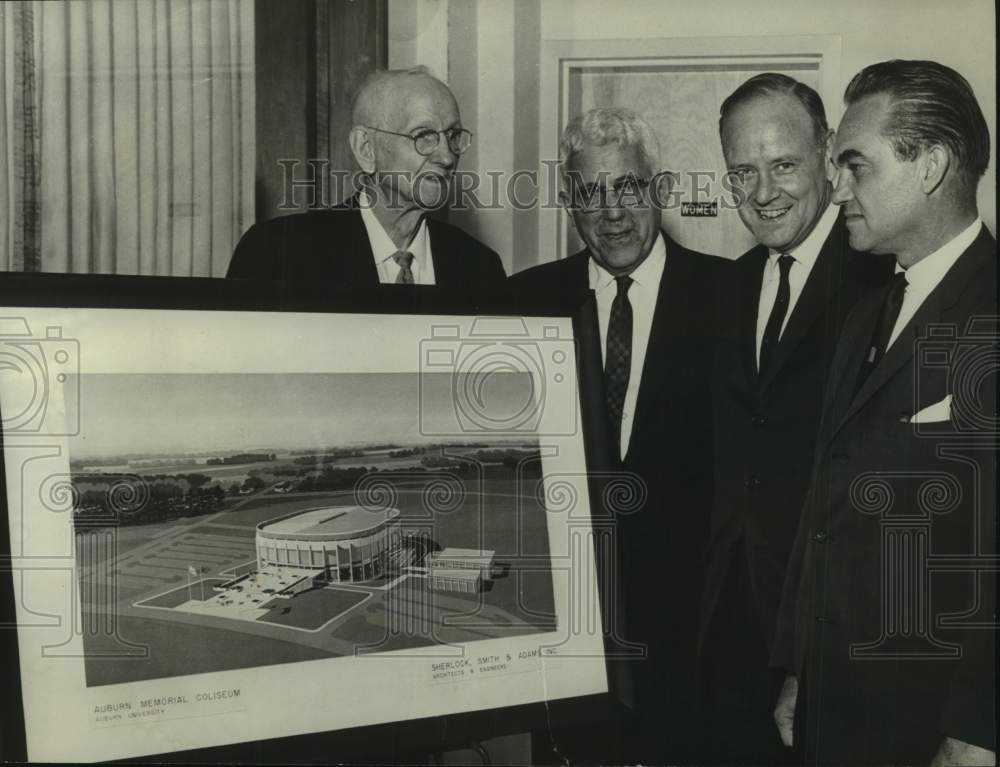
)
(404, 258)
(618, 356)
(883, 329)
(772, 331)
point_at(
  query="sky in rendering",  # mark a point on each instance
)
(167, 413)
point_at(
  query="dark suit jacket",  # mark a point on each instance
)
(662, 542)
(766, 426)
(885, 661)
(332, 246)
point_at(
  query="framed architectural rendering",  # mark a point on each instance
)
(240, 525)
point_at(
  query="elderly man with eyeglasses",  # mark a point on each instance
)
(407, 137)
(655, 316)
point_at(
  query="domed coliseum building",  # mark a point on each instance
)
(349, 543)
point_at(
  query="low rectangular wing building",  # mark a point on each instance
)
(451, 558)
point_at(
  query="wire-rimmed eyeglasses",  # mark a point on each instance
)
(426, 140)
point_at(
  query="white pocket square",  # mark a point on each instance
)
(936, 413)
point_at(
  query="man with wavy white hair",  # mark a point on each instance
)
(655, 321)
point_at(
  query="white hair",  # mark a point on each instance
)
(604, 125)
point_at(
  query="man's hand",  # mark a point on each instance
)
(957, 752)
(784, 709)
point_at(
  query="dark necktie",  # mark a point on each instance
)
(404, 258)
(883, 329)
(618, 357)
(772, 331)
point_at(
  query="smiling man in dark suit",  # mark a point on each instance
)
(655, 311)
(787, 305)
(407, 138)
(887, 627)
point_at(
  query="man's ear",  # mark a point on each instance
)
(362, 148)
(661, 188)
(827, 142)
(826, 146)
(934, 163)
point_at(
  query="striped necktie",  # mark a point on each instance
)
(405, 259)
(618, 356)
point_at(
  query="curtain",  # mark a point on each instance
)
(145, 117)
(19, 141)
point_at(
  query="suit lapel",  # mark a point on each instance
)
(441, 256)
(852, 346)
(668, 320)
(752, 281)
(578, 272)
(896, 356)
(356, 261)
(820, 288)
(933, 309)
(571, 276)
(367, 272)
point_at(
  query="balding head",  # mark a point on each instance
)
(394, 111)
(382, 99)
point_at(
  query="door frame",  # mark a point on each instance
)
(559, 58)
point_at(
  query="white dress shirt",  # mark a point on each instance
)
(383, 249)
(804, 255)
(924, 276)
(642, 296)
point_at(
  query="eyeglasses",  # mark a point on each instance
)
(426, 140)
(630, 192)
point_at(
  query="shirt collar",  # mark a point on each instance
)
(929, 270)
(646, 274)
(807, 251)
(383, 248)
